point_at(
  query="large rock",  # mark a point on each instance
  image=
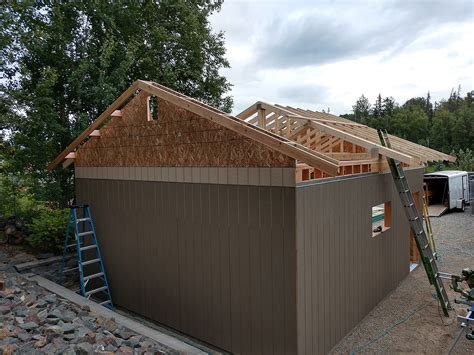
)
(5, 333)
(83, 348)
(68, 316)
(54, 329)
(5, 309)
(124, 333)
(28, 325)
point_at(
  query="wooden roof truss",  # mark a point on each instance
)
(322, 144)
(277, 142)
(355, 146)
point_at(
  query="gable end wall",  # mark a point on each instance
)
(177, 138)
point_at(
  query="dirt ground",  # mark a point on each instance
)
(409, 319)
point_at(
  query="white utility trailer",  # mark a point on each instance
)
(446, 190)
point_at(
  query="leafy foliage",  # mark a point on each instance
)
(464, 159)
(47, 229)
(446, 126)
(15, 199)
(63, 63)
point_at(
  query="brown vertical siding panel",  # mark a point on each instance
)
(318, 287)
(344, 244)
(256, 276)
(308, 277)
(338, 238)
(131, 246)
(300, 271)
(289, 266)
(227, 211)
(266, 266)
(162, 237)
(201, 258)
(206, 262)
(244, 266)
(236, 294)
(190, 276)
(184, 296)
(325, 265)
(345, 213)
(277, 220)
(109, 249)
(216, 233)
(140, 265)
(111, 264)
(176, 254)
(196, 228)
(153, 244)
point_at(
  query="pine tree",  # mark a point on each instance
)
(362, 110)
(378, 108)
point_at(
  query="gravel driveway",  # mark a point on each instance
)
(409, 320)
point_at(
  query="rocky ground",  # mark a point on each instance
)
(35, 320)
(409, 319)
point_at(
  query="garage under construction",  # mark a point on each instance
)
(271, 232)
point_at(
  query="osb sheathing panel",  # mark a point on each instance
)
(176, 138)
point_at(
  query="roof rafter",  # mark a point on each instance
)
(271, 140)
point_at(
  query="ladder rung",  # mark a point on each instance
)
(71, 245)
(91, 292)
(93, 276)
(79, 220)
(85, 233)
(90, 261)
(71, 269)
(416, 224)
(88, 247)
(105, 302)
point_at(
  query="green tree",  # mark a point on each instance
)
(388, 106)
(63, 63)
(429, 107)
(362, 110)
(410, 122)
(377, 110)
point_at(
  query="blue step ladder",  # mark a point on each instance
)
(92, 283)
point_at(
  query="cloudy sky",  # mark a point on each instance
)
(320, 54)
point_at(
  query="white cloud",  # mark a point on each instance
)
(326, 54)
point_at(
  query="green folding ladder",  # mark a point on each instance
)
(88, 253)
(416, 225)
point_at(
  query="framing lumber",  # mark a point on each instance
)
(111, 110)
(359, 141)
(417, 151)
(261, 135)
(276, 142)
(67, 162)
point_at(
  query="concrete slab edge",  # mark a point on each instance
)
(178, 345)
